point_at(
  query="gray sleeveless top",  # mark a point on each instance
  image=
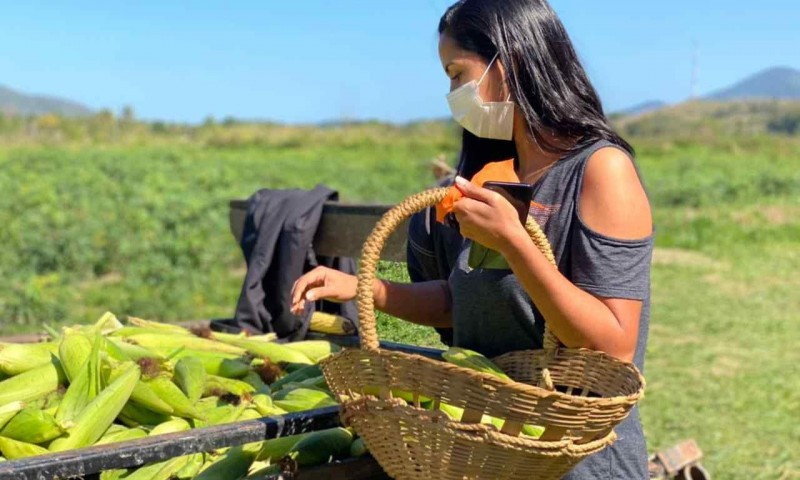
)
(493, 314)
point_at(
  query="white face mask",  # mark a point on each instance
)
(493, 120)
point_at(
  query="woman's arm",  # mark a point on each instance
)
(613, 203)
(426, 303)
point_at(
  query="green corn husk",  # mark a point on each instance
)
(277, 448)
(134, 415)
(107, 324)
(172, 426)
(316, 350)
(33, 384)
(167, 327)
(192, 468)
(161, 341)
(159, 471)
(263, 404)
(123, 351)
(310, 371)
(98, 415)
(318, 447)
(474, 361)
(456, 413)
(249, 414)
(32, 426)
(85, 386)
(117, 474)
(122, 435)
(171, 394)
(73, 351)
(190, 375)
(275, 352)
(8, 411)
(146, 397)
(208, 403)
(16, 358)
(47, 402)
(222, 414)
(221, 364)
(301, 399)
(358, 448)
(234, 463)
(14, 449)
(216, 385)
(255, 381)
(264, 472)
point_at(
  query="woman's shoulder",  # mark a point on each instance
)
(613, 201)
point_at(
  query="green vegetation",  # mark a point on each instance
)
(112, 214)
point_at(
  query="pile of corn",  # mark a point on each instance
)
(109, 382)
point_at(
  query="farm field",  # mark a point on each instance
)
(140, 227)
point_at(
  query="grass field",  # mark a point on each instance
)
(141, 228)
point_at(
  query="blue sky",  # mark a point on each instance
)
(314, 60)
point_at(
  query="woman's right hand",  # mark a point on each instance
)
(322, 283)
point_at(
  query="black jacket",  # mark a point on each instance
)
(276, 242)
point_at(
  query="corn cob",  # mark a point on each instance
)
(323, 322)
(84, 387)
(16, 358)
(117, 474)
(266, 337)
(134, 415)
(299, 375)
(274, 449)
(172, 426)
(358, 448)
(221, 364)
(106, 324)
(275, 352)
(301, 399)
(129, 330)
(159, 471)
(249, 414)
(192, 467)
(73, 351)
(172, 395)
(222, 414)
(396, 393)
(219, 385)
(316, 350)
(318, 447)
(32, 426)
(208, 403)
(190, 375)
(8, 411)
(233, 464)
(47, 402)
(14, 450)
(32, 384)
(122, 435)
(160, 341)
(123, 351)
(255, 381)
(167, 327)
(98, 415)
(474, 361)
(456, 413)
(263, 404)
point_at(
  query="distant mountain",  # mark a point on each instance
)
(776, 83)
(642, 108)
(16, 103)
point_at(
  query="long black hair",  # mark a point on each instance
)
(544, 75)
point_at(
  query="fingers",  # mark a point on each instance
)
(310, 279)
(470, 190)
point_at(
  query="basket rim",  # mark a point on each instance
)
(485, 432)
(500, 383)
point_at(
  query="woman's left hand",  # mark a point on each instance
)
(486, 217)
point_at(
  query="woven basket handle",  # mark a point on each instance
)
(377, 239)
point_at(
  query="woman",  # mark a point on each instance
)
(532, 101)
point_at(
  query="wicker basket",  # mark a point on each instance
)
(577, 395)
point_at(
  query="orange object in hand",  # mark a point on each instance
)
(493, 172)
